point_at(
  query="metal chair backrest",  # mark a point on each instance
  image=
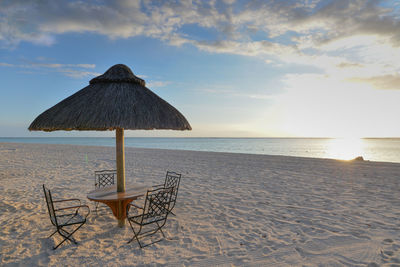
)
(156, 205)
(50, 206)
(173, 179)
(104, 178)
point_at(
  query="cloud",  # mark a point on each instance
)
(70, 70)
(229, 91)
(57, 65)
(78, 73)
(388, 82)
(349, 65)
(358, 18)
(318, 22)
(153, 84)
(2, 64)
(337, 36)
(256, 48)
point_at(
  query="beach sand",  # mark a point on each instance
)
(232, 209)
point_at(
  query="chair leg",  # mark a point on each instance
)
(153, 243)
(150, 233)
(135, 235)
(96, 206)
(67, 237)
(159, 228)
(52, 234)
(171, 208)
(144, 234)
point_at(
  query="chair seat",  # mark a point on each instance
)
(70, 219)
(147, 219)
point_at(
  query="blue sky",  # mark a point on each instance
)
(233, 68)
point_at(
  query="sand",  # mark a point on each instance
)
(232, 209)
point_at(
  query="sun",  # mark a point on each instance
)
(345, 148)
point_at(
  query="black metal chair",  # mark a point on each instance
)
(172, 179)
(153, 216)
(62, 217)
(102, 179)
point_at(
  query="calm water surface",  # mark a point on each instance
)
(374, 149)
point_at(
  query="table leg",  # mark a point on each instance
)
(121, 214)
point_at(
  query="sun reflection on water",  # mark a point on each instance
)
(345, 148)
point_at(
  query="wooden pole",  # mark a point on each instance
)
(119, 134)
(120, 160)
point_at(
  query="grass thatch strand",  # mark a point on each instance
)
(112, 100)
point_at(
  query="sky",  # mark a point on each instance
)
(306, 68)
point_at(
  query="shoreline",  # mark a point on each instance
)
(240, 153)
(232, 209)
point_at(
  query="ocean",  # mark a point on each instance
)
(373, 149)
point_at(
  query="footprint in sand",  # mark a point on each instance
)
(8, 150)
(390, 251)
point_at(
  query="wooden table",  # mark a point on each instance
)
(118, 201)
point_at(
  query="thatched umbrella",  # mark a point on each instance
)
(115, 100)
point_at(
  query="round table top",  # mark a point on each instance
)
(110, 192)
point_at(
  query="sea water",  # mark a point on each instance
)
(374, 149)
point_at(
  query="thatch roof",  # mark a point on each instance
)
(116, 99)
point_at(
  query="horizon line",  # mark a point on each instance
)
(211, 137)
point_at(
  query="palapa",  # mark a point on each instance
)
(116, 100)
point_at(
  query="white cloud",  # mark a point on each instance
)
(32, 20)
(58, 65)
(346, 38)
(6, 64)
(153, 84)
(230, 2)
(388, 82)
(70, 70)
(78, 73)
